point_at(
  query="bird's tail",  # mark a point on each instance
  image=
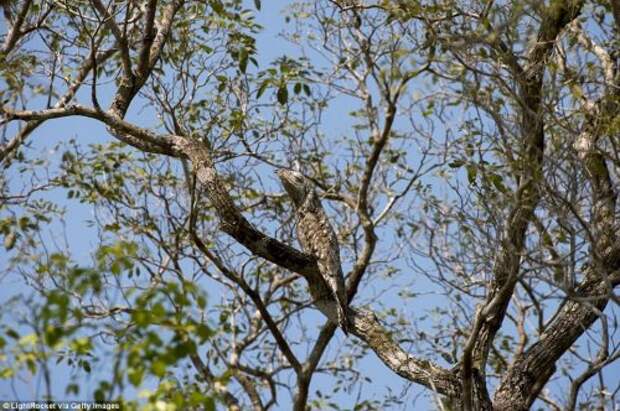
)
(343, 318)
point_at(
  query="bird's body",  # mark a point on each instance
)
(317, 237)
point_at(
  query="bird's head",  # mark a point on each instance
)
(296, 185)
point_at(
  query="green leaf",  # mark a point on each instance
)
(217, 7)
(243, 60)
(23, 223)
(81, 345)
(498, 182)
(12, 333)
(209, 404)
(53, 335)
(158, 368)
(59, 260)
(115, 268)
(282, 94)
(262, 88)
(135, 376)
(73, 389)
(6, 373)
(456, 163)
(472, 171)
(203, 332)
(141, 318)
(100, 395)
(158, 312)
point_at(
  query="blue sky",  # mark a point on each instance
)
(82, 241)
(82, 238)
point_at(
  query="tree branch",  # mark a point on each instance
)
(121, 40)
(144, 61)
(230, 400)
(522, 382)
(13, 144)
(254, 296)
(309, 367)
(365, 325)
(508, 261)
(15, 32)
(135, 136)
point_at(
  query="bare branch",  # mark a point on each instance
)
(15, 32)
(121, 40)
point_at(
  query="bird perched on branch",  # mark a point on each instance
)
(317, 237)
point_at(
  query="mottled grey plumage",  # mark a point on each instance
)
(317, 237)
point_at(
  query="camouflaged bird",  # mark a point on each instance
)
(317, 237)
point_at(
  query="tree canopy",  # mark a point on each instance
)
(467, 154)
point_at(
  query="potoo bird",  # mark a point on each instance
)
(317, 237)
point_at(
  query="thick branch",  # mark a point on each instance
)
(135, 136)
(366, 326)
(507, 264)
(147, 41)
(232, 221)
(525, 378)
(615, 7)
